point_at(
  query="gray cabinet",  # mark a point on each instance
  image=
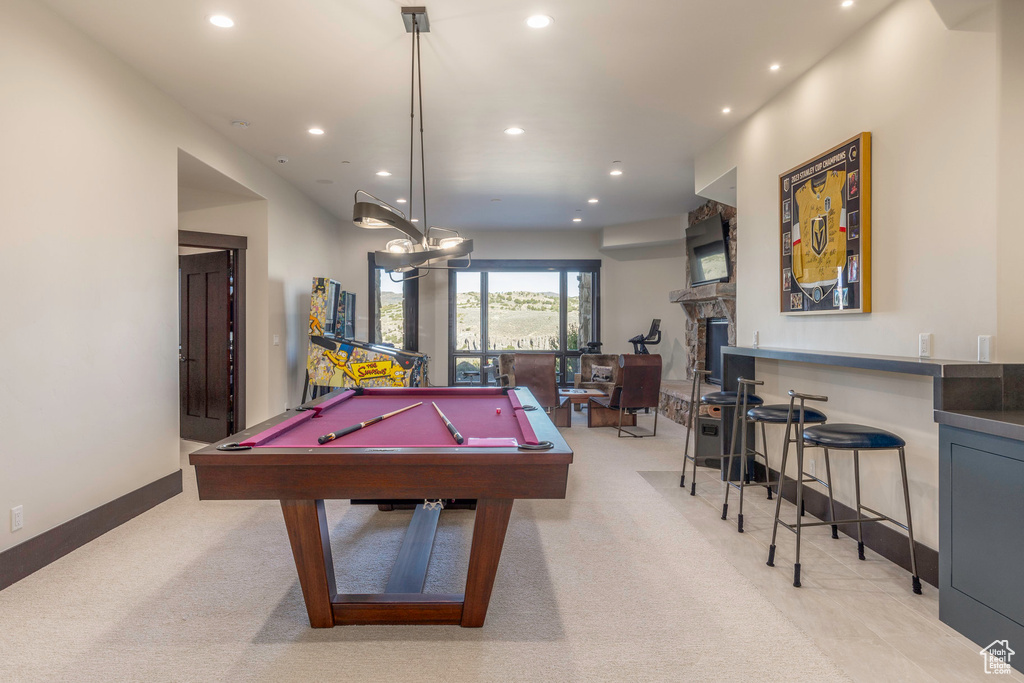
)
(981, 535)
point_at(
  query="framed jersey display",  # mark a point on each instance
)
(825, 234)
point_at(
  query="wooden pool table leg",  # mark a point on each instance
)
(306, 522)
(488, 538)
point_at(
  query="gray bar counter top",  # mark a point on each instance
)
(1008, 424)
(960, 386)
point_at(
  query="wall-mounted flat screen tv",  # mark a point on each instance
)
(708, 248)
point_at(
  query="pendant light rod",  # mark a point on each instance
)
(423, 157)
(412, 114)
(414, 255)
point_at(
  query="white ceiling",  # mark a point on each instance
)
(642, 82)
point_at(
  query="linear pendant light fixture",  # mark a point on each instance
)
(432, 248)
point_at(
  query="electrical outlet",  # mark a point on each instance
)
(810, 468)
(985, 348)
(924, 345)
(17, 518)
(277, 340)
(757, 338)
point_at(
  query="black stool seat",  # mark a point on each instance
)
(728, 398)
(779, 413)
(851, 437)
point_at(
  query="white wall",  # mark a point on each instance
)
(248, 219)
(928, 96)
(634, 289)
(88, 228)
(1009, 293)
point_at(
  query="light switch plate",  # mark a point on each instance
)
(985, 348)
(924, 345)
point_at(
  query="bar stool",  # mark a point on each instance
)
(715, 398)
(741, 400)
(741, 419)
(784, 414)
(847, 437)
(693, 421)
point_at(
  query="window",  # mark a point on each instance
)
(394, 309)
(520, 307)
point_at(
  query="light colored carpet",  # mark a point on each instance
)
(612, 584)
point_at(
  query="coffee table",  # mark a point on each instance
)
(580, 396)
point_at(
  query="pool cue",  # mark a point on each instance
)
(448, 423)
(356, 427)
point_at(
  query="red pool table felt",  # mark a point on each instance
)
(473, 411)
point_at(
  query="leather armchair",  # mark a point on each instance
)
(536, 372)
(640, 387)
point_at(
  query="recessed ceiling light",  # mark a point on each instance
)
(316, 131)
(577, 220)
(221, 21)
(847, 3)
(514, 131)
(239, 123)
(400, 201)
(415, 220)
(383, 173)
(726, 110)
(325, 181)
(592, 201)
(615, 172)
(775, 67)
(539, 21)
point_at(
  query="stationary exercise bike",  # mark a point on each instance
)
(653, 337)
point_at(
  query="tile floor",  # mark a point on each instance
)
(862, 613)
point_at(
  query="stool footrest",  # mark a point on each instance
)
(886, 517)
(745, 484)
(792, 527)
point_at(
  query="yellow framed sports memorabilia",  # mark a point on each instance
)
(825, 232)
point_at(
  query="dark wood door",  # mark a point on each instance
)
(204, 375)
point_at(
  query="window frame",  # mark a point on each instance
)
(485, 266)
(410, 306)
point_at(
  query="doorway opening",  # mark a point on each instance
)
(211, 344)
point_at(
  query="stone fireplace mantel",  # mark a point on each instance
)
(721, 293)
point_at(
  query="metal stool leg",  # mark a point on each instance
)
(799, 504)
(915, 579)
(860, 525)
(831, 498)
(686, 447)
(692, 424)
(744, 474)
(696, 437)
(728, 467)
(778, 494)
(767, 468)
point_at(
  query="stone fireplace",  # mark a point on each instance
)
(699, 304)
(716, 300)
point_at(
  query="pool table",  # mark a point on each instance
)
(510, 450)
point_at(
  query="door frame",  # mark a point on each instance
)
(237, 245)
